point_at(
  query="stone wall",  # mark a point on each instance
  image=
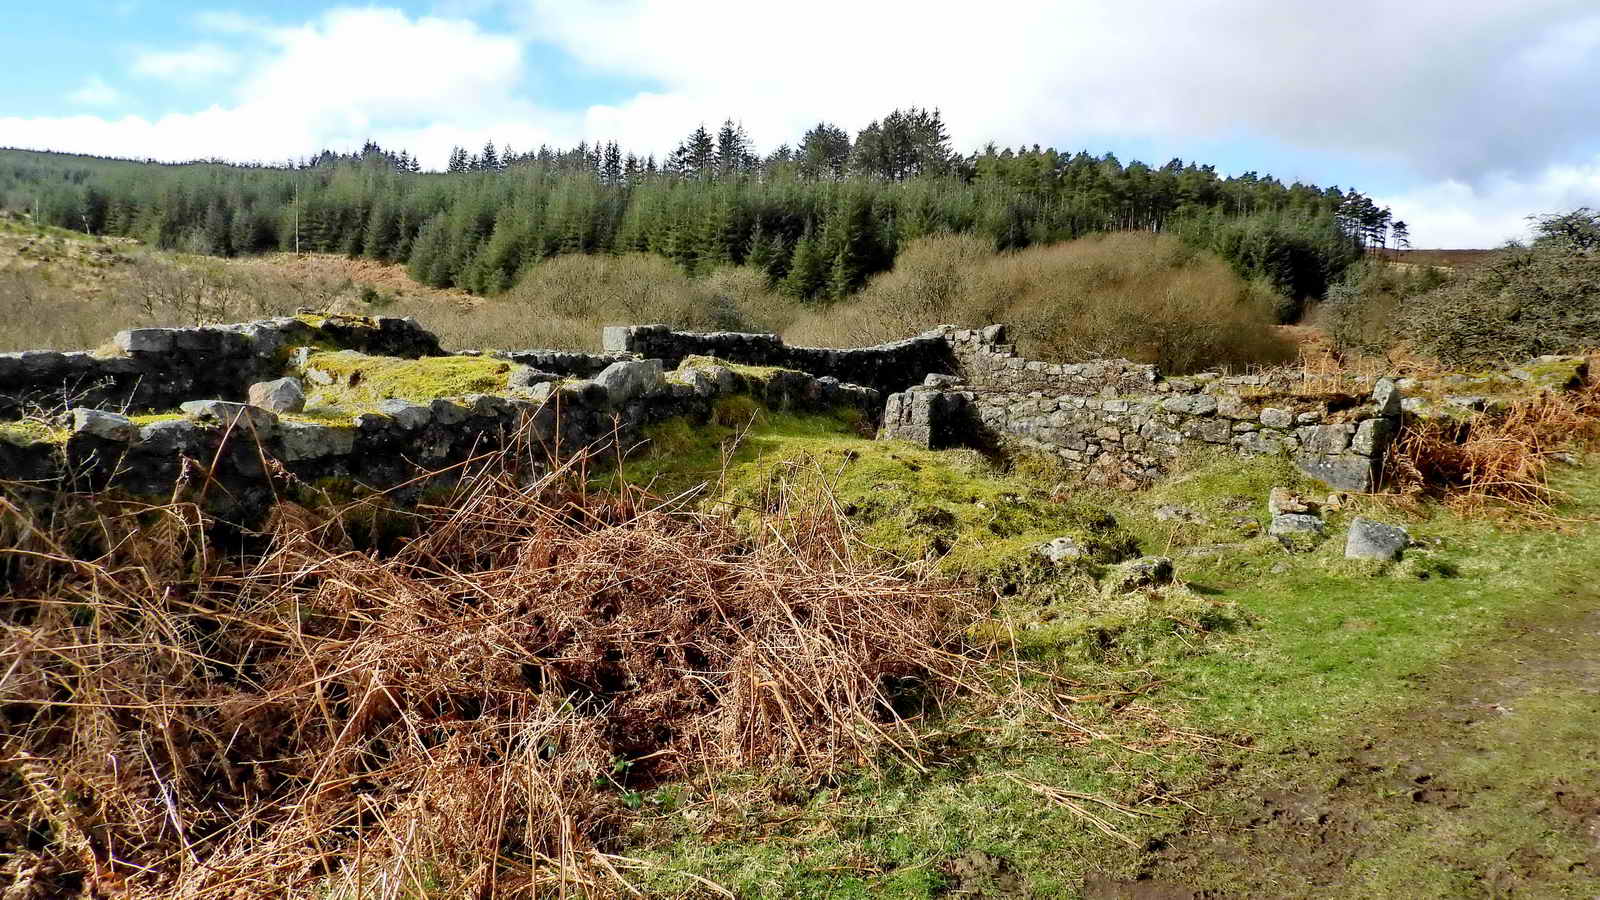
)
(1114, 420)
(238, 458)
(887, 367)
(563, 363)
(1122, 422)
(152, 369)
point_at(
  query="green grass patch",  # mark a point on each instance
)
(952, 509)
(1262, 650)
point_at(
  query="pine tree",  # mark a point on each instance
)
(696, 157)
(808, 270)
(488, 160)
(611, 168)
(733, 149)
(1402, 235)
(850, 241)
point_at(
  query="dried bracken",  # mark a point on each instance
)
(467, 716)
(1496, 460)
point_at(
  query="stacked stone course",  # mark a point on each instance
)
(1114, 420)
(888, 367)
(155, 369)
(248, 451)
(1123, 422)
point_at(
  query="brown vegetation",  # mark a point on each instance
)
(472, 715)
(1148, 298)
(1145, 297)
(1503, 457)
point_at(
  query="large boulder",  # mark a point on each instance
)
(300, 441)
(1060, 550)
(1375, 540)
(103, 425)
(1191, 404)
(630, 379)
(1341, 471)
(1146, 571)
(281, 395)
(145, 340)
(1294, 523)
(229, 415)
(406, 414)
(1281, 501)
(1386, 397)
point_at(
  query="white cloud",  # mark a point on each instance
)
(95, 92)
(1489, 104)
(1450, 88)
(195, 63)
(1455, 214)
(226, 21)
(422, 84)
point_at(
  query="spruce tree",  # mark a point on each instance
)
(808, 270)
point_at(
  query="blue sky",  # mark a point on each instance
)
(1463, 115)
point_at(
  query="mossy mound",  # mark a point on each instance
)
(951, 509)
(359, 381)
(753, 373)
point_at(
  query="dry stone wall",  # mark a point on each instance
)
(887, 367)
(1123, 422)
(239, 457)
(1114, 420)
(154, 369)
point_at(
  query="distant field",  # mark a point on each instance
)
(1456, 259)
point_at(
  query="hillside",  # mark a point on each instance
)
(812, 233)
(1108, 295)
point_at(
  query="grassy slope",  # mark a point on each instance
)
(1302, 651)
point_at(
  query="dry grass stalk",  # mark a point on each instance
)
(468, 716)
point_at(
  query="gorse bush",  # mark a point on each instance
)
(1363, 310)
(1145, 297)
(1534, 300)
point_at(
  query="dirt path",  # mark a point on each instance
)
(1488, 785)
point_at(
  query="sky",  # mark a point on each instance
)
(1463, 116)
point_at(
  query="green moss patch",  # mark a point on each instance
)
(952, 509)
(756, 373)
(359, 381)
(25, 433)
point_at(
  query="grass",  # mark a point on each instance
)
(1301, 649)
(912, 505)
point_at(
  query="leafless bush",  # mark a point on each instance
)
(1146, 297)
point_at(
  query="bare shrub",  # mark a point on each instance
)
(65, 305)
(564, 302)
(1145, 297)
